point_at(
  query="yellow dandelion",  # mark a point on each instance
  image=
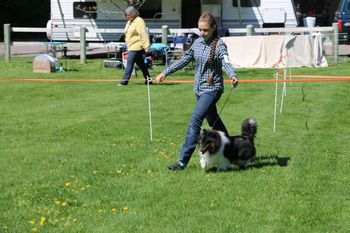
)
(125, 209)
(31, 222)
(42, 220)
(53, 222)
(64, 203)
(68, 184)
(114, 210)
(34, 229)
(57, 202)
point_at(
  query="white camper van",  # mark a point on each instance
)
(260, 13)
(108, 14)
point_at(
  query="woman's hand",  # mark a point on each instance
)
(160, 78)
(234, 82)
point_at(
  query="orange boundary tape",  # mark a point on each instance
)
(309, 79)
(58, 80)
(314, 76)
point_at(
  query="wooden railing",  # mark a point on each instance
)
(165, 31)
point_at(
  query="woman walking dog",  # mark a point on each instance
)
(210, 55)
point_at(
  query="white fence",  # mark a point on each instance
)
(332, 33)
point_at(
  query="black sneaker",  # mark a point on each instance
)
(176, 166)
(123, 83)
(149, 80)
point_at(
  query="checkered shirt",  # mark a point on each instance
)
(200, 52)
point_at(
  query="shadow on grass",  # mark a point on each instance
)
(259, 162)
(72, 69)
(264, 161)
(88, 56)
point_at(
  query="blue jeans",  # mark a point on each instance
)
(135, 57)
(205, 108)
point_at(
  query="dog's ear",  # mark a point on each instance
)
(201, 135)
(199, 138)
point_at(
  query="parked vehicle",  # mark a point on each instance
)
(342, 16)
(102, 14)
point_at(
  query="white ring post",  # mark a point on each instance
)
(284, 91)
(274, 115)
(290, 76)
(149, 109)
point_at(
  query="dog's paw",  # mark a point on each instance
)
(203, 163)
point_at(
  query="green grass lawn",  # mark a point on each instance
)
(77, 157)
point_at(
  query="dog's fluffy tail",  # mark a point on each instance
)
(249, 128)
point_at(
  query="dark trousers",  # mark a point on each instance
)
(205, 109)
(135, 57)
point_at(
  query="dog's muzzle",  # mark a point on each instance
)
(203, 149)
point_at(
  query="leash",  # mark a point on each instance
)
(223, 106)
(307, 107)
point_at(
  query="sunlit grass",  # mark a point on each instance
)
(77, 157)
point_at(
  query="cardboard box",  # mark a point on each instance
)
(42, 67)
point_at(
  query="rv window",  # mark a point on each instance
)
(212, 2)
(150, 9)
(246, 3)
(87, 10)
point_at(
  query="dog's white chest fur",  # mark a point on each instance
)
(218, 159)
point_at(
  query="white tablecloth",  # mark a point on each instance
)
(276, 51)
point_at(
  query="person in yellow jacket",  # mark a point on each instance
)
(137, 40)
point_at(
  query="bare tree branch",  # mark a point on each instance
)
(135, 3)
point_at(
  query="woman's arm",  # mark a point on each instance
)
(141, 29)
(179, 64)
(226, 64)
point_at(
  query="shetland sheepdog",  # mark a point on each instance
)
(217, 151)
